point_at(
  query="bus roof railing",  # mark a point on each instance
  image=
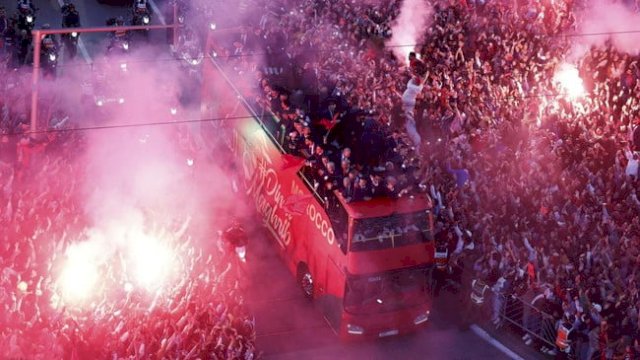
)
(262, 124)
(386, 206)
(375, 207)
(249, 108)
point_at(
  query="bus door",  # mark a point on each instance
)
(331, 300)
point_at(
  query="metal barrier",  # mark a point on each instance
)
(515, 314)
(520, 316)
(530, 320)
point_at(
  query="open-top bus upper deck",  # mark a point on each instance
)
(365, 262)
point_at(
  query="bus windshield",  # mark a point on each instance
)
(389, 232)
(388, 291)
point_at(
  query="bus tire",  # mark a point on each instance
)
(305, 281)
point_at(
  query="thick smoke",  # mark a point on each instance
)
(133, 166)
(144, 175)
(607, 21)
(409, 27)
(136, 180)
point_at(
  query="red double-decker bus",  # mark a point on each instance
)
(366, 263)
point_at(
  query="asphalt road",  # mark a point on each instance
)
(92, 46)
(289, 327)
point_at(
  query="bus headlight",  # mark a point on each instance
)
(421, 318)
(74, 34)
(355, 329)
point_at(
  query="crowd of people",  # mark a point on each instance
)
(203, 315)
(324, 79)
(536, 191)
(43, 217)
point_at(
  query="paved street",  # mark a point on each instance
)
(290, 328)
(93, 14)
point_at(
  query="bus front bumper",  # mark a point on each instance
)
(384, 324)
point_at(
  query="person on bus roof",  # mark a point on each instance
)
(361, 190)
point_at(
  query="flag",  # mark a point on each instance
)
(531, 271)
(296, 203)
(290, 161)
(327, 124)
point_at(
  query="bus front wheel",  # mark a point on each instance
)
(305, 280)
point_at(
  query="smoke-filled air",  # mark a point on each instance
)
(407, 30)
(607, 22)
(309, 179)
(113, 200)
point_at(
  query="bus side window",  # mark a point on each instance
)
(342, 244)
(337, 214)
(339, 220)
(271, 123)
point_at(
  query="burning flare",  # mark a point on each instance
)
(79, 276)
(568, 81)
(153, 260)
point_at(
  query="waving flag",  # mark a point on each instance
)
(290, 161)
(297, 203)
